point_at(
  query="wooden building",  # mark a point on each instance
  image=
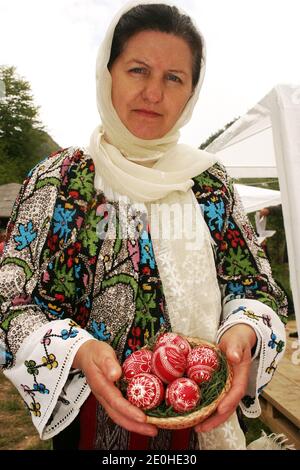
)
(8, 195)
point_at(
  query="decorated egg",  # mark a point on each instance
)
(201, 363)
(137, 363)
(183, 395)
(173, 338)
(145, 391)
(200, 373)
(168, 363)
(204, 355)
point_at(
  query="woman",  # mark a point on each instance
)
(66, 263)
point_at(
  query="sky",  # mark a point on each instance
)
(251, 47)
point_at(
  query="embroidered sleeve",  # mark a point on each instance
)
(30, 345)
(52, 392)
(249, 292)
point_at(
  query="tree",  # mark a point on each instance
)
(212, 137)
(22, 136)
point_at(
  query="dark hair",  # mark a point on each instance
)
(158, 17)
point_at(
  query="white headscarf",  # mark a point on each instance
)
(175, 164)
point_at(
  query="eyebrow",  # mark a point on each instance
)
(147, 65)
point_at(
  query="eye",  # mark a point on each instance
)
(138, 70)
(174, 78)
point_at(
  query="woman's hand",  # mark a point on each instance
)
(98, 362)
(236, 343)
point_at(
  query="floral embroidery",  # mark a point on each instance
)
(31, 367)
(274, 343)
(83, 181)
(26, 237)
(89, 236)
(47, 338)
(238, 262)
(65, 334)
(215, 214)
(35, 409)
(62, 218)
(40, 388)
(49, 361)
(98, 330)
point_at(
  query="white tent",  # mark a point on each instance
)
(265, 142)
(254, 198)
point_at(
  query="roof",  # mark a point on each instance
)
(8, 195)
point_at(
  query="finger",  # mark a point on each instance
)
(127, 422)
(214, 421)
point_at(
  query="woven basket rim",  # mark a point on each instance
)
(195, 417)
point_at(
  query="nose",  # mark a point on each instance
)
(153, 90)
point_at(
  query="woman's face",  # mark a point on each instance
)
(151, 83)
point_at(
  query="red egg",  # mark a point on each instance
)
(203, 355)
(199, 373)
(173, 338)
(145, 391)
(183, 395)
(168, 363)
(201, 363)
(137, 363)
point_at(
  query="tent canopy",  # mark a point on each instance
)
(247, 147)
(263, 143)
(254, 198)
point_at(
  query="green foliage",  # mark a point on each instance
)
(213, 136)
(145, 302)
(85, 175)
(64, 281)
(23, 140)
(238, 262)
(89, 236)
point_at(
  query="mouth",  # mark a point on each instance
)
(147, 113)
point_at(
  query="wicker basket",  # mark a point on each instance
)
(194, 417)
